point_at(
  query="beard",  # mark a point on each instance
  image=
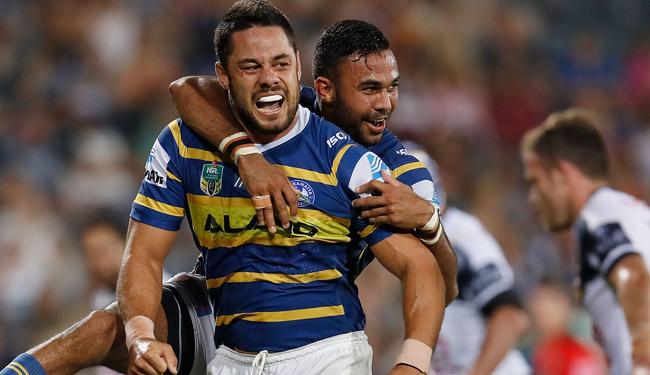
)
(246, 113)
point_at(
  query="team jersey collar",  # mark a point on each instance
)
(301, 123)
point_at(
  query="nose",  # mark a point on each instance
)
(383, 101)
(268, 77)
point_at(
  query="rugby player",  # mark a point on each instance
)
(566, 167)
(356, 81)
(483, 325)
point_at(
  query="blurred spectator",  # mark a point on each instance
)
(557, 351)
(102, 241)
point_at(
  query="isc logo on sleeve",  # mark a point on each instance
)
(340, 136)
(155, 171)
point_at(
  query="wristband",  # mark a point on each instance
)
(137, 328)
(244, 150)
(434, 239)
(236, 145)
(431, 232)
(416, 354)
(232, 139)
(433, 222)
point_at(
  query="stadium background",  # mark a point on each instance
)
(83, 93)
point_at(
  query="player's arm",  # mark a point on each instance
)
(398, 205)
(629, 277)
(203, 104)
(506, 323)
(139, 291)
(423, 296)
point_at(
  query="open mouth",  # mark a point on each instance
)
(378, 125)
(269, 103)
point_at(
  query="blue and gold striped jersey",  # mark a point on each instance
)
(404, 167)
(270, 292)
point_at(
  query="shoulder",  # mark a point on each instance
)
(179, 134)
(611, 206)
(467, 232)
(457, 220)
(392, 151)
(331, 140)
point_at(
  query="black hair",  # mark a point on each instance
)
(244, 15)
(345, 38)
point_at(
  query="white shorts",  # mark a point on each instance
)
(346, 354)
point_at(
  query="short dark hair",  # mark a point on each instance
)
(570, 135)
(345, 38)
(246, 14)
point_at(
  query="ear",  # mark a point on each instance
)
(325, 89)
(565, 170)
(298, 65)
(220, 71)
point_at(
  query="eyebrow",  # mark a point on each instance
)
(251, 60)
(281, 56)
(374, 82)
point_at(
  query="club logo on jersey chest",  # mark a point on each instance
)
(211, 178)
(307, 195)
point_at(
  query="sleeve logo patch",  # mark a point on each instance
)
(211, 178)
(155, 171)
(307, 195)
(376, 166)
(340, 136)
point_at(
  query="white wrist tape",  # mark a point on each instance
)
(246, 150)
(433, 222)
(434, 239)
(415, 353)
(138, 327)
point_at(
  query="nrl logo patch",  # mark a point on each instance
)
(307, 195)
(211, 177)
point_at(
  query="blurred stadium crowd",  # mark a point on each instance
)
(83, 93)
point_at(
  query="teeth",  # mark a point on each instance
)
(268, 99)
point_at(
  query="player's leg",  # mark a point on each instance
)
(96, 340)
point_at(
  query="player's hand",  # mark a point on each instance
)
(397, 205)
(404, 370)
(262, 178)
(641, 352)
(150, 357)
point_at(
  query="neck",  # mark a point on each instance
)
(584, 189)
(264, 138)
(325, 110)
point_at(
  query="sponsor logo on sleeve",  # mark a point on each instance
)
(340, 136)
(211, 178)
(155, 171)
(376, 166)
(307, 195)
